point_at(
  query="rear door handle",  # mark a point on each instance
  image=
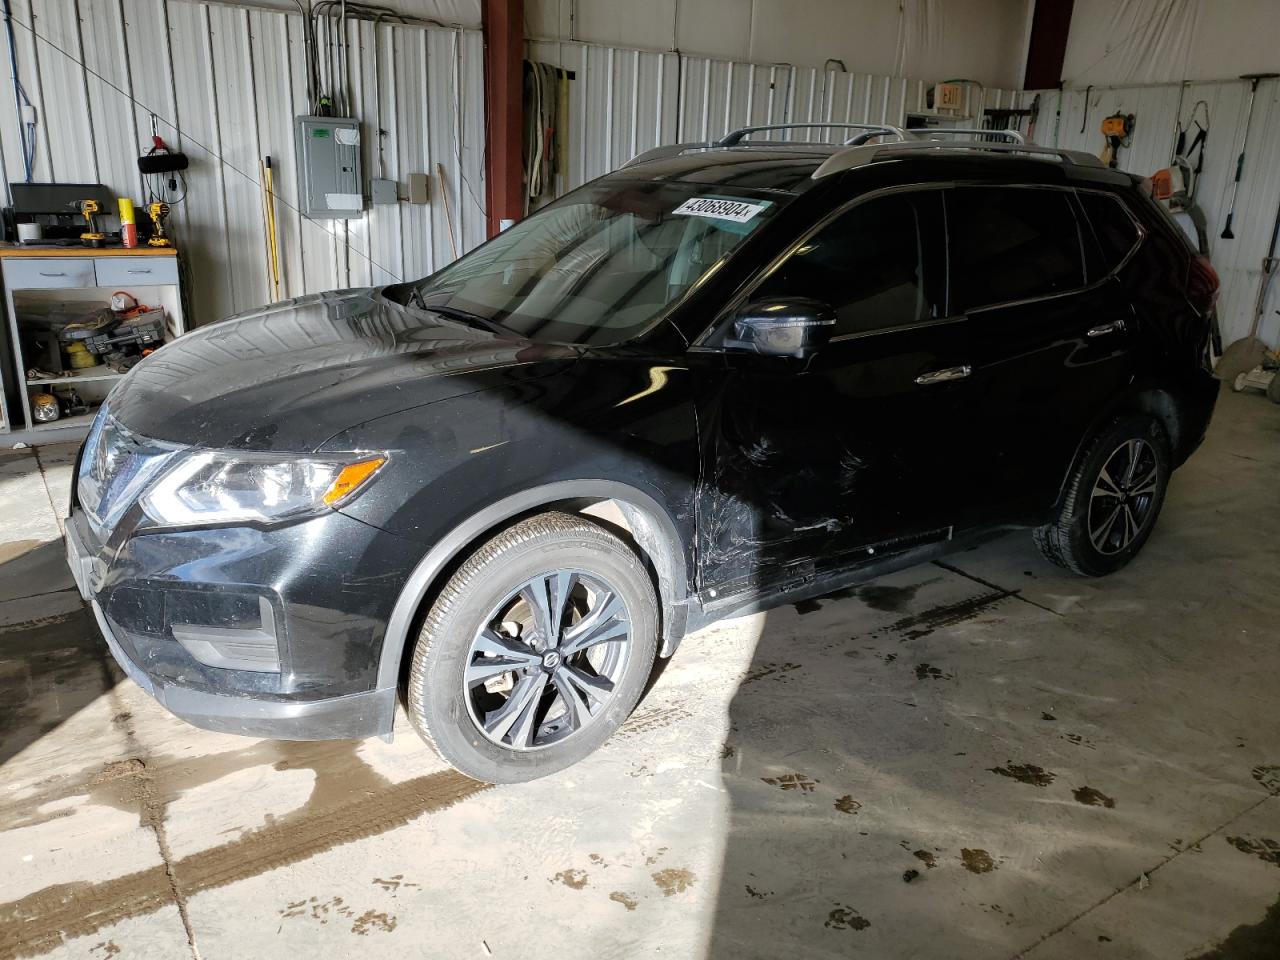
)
(942, 376)
(1115, 326)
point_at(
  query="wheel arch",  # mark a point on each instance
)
(647, 523)
(1155, 400)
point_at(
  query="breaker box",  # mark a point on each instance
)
(330, 183)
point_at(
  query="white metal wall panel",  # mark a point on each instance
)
(623, 101)
(1238, 261)
(225, 83)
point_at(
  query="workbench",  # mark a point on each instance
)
(36, 276)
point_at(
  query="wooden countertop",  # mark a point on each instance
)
(14, 250)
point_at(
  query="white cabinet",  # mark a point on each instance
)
(35, 282)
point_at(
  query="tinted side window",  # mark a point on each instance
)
(1011, 243)
(869, 264)
(1114, 229)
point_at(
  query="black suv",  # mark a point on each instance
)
(719, 377)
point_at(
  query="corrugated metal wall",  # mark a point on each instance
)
(623, 102)
(1157, 109)
(225, 83)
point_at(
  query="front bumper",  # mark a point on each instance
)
(324, 685)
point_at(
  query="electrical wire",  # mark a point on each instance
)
(456, 94)
(26, 128)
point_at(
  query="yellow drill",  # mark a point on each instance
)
(158, 212)
(92, 236)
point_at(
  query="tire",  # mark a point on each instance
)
(1094, 532)
(514, 725)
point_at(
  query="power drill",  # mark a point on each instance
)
(158, 212)
(92, 236)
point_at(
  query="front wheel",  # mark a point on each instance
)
(536, 650)
(1113, 497)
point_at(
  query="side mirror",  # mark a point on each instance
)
(782, 327)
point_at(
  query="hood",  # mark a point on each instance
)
(290, 376)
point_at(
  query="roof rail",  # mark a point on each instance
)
(861, 156)
(737, 136)
(670, 150)
(930, 132)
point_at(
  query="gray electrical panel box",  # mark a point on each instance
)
(330, 184)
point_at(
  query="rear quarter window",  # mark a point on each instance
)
(1113, 228)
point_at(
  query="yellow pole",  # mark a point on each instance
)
(274, 236)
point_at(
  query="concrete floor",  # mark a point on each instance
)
(979, 759)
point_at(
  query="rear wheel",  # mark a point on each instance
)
(536, 650)
(1112, 501)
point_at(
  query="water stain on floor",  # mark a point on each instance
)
(776, 670)
(1027, 773)
(349, 801)
(1269, 777)
(919, 625)
(1263, 848)
(335, 908)
(846, 918)
(625, 899)
(792, 781)
(674, 880)
(889, 599)
(573, 879)
(927, 858)
(1092, 798)
(925, 671)
(847, 804)
(977, 861)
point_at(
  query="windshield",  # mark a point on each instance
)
(599, 265)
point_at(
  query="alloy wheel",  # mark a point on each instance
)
(546, 661)
(1123, 495)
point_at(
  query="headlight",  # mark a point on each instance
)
(228, 488)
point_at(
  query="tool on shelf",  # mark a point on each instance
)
(92, 236)
(1254, 79)
(158, 211)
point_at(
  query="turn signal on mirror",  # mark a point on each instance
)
(350, 478)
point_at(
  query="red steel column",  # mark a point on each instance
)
(503, 22)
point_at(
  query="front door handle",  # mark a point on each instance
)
(942, 376)
(1115, 326)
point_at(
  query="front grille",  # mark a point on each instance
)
(117, 467)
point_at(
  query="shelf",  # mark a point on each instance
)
(87, 375)
(67, 423)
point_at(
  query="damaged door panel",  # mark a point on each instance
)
(810, 463)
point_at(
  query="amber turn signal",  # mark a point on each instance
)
(351, 478)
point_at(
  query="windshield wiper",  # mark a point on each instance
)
(484, 323)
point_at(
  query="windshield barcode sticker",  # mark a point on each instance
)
(734, 210)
